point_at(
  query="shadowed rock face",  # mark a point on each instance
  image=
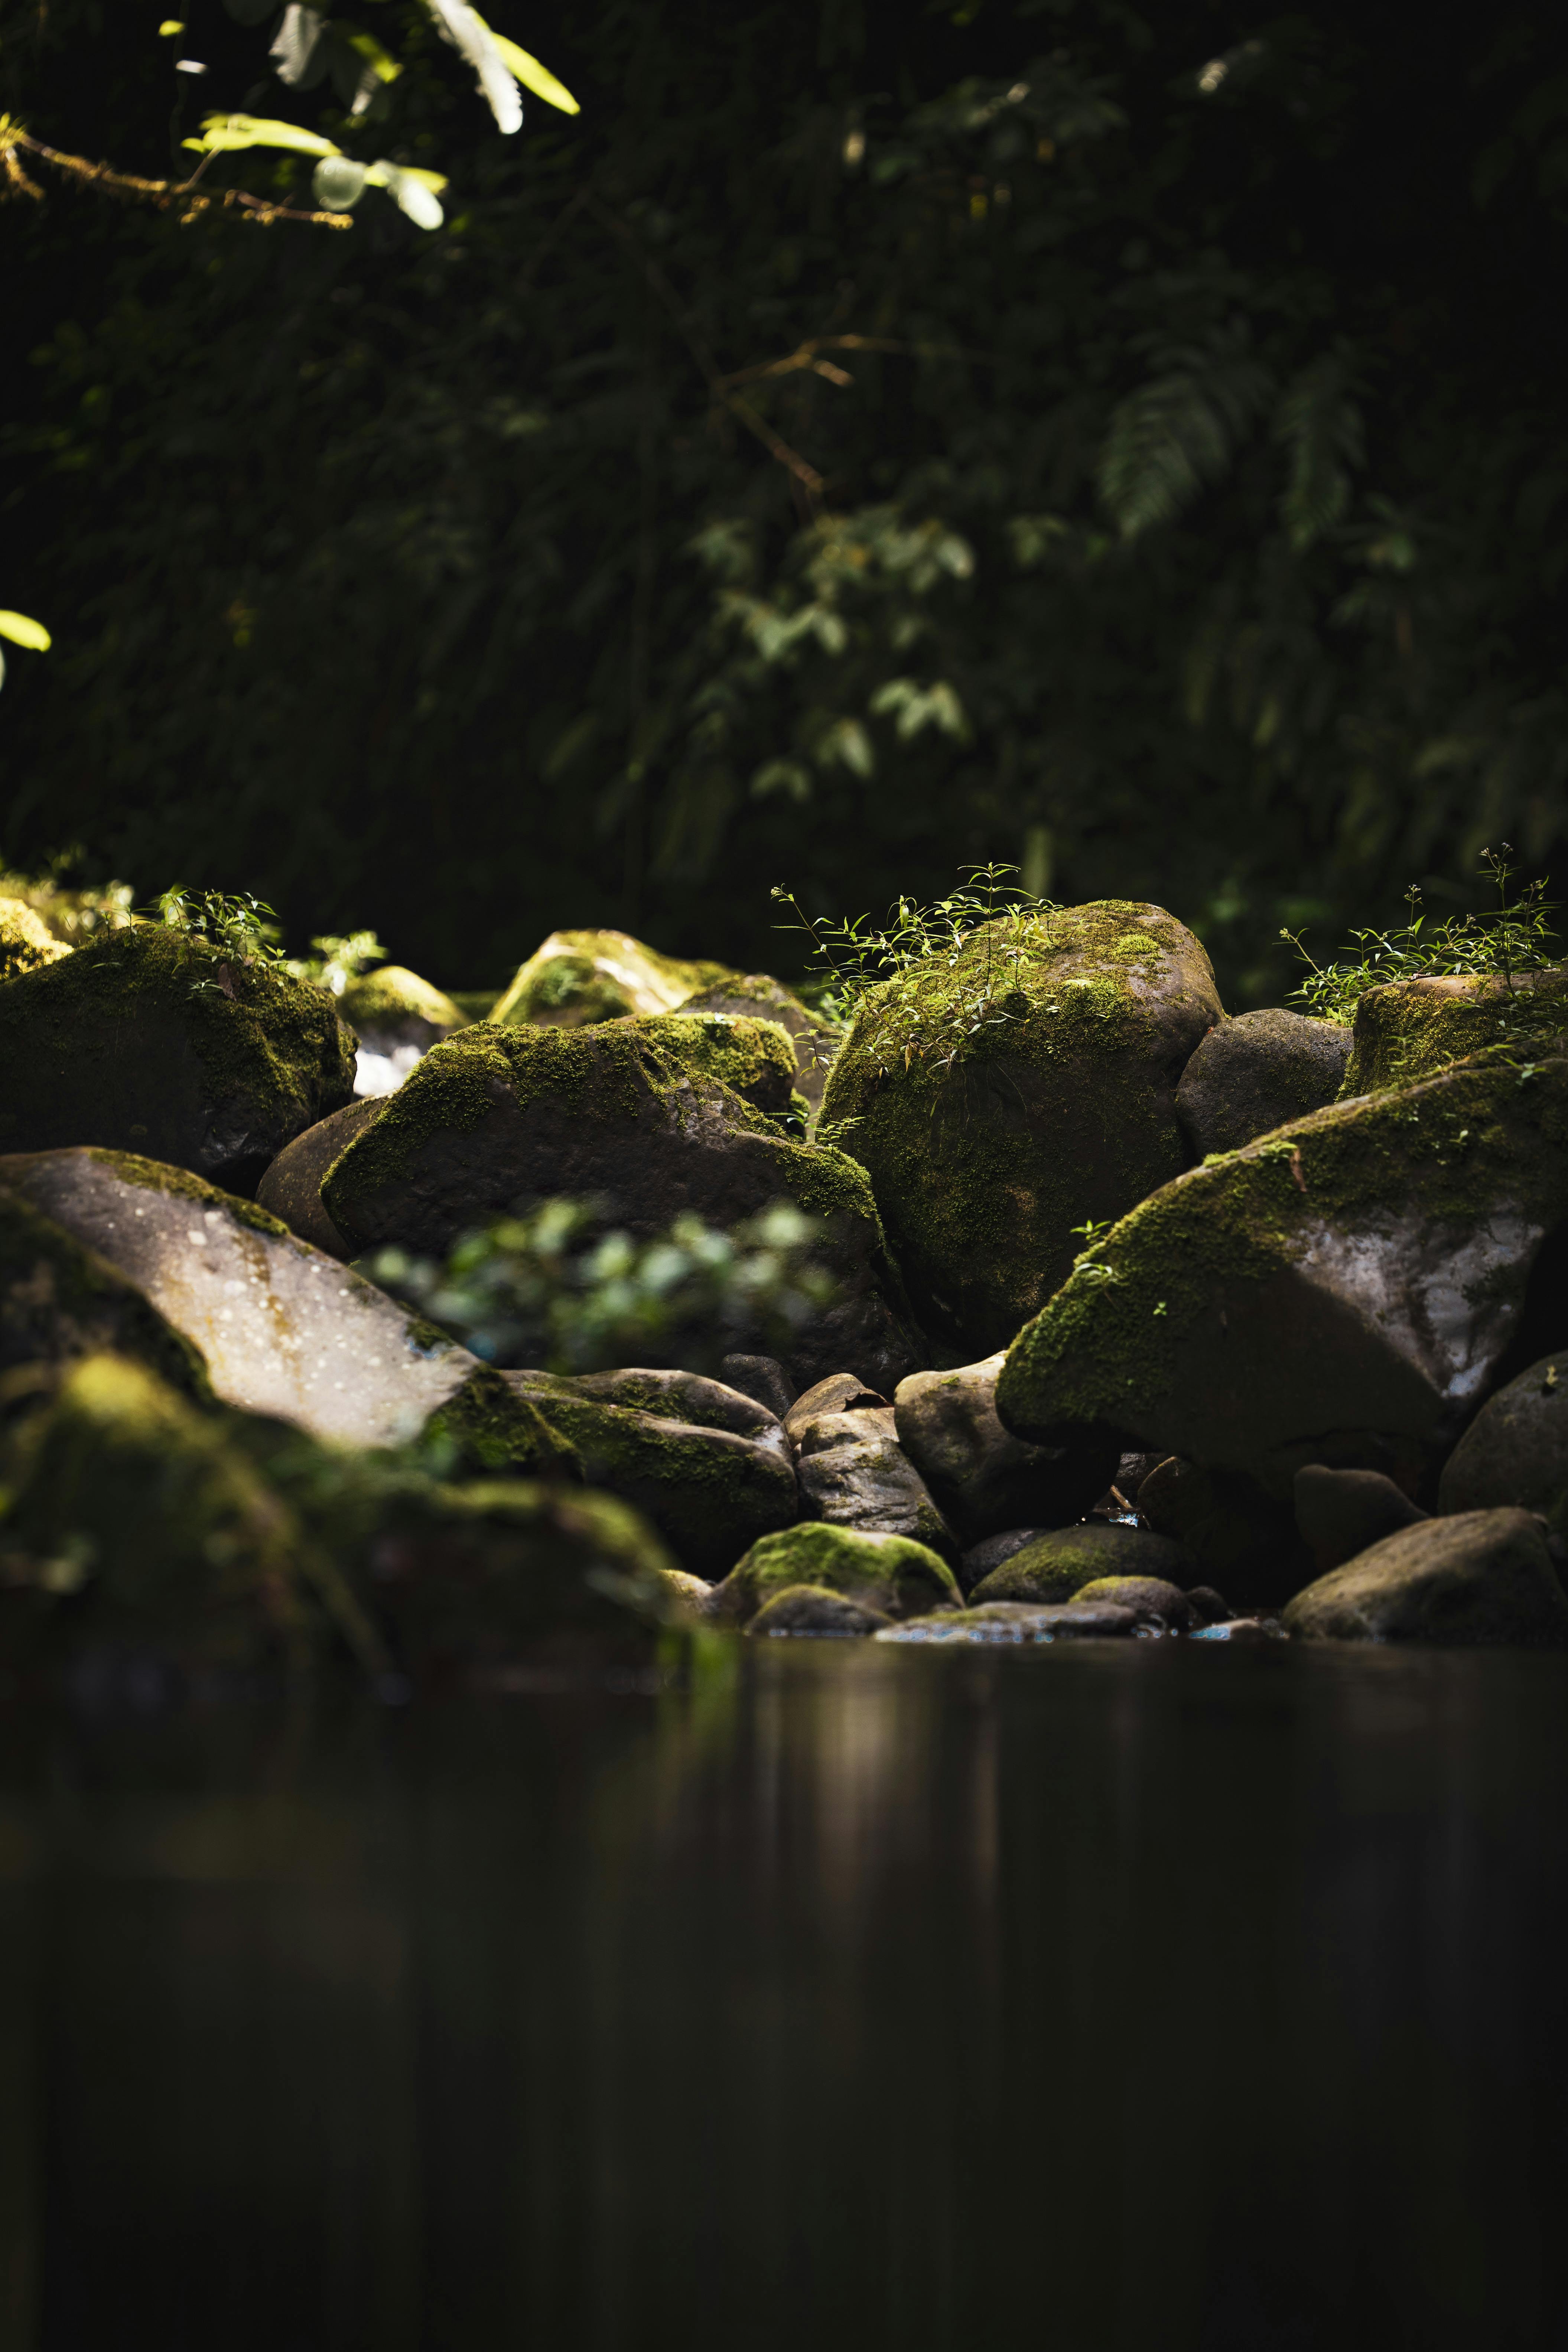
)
(148, 1041)
(283, 1329)
(291, 1188)
(1483, 1578)
(1257, 1072)
(983, 1478)
(1341, 1291)
(1005, 1095)
(854, 1472)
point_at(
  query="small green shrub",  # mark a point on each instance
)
(1515, 936)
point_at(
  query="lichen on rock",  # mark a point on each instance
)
(1407, 1030)
(26, 940)
(888, 1574)
(576, 979)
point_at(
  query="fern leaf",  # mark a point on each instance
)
(1176, 434)
(1321, 425)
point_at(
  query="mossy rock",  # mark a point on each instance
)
(1409, 1029)
(148, 1039)
(1482, 1580)
(892, 1574)
(764, 998)
(754, 1058)
(1516, 1449)
(291, 1188)
(26, 940)
(1057, 1567)
(1341, 1291)
(1002, 1095)
(393, 1006)
(711, 1491)
(578, 978)
(810, 1612)
(1256, 1072)
(621, 1114)
(61, 1301)
(280, 1327)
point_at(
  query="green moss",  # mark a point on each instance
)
(491, 1427)
(1408, 1030)
(754, 1057)
(26, 940)
(158, 1176)
(59, 1300)
(1003, 1095)
(1441, 1152)
(378, 999)
(893, 1573)
(577, 978)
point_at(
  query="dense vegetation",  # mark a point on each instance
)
(1127, 444)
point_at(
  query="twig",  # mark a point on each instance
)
(163, 194)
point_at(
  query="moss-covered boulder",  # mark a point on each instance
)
(710, 1490)
(290, 1189)
(762, 997)
(1257, 1072)
(810, 1611)
(577, 978)
(1516, 1449)
(1341, 1291)
(26, 940)
(1408, 1029)
(393, 1006)
(1056, 1567)
(889, 1573)
(281, 1328)
(148, 1039)
(61, 1301)
(1004, 1095)
(984, 1479)
(1484, 1579)
(616, 1113)
(754, 1058)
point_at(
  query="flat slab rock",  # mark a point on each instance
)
(284, 1329)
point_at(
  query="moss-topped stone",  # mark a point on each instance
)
(281, 1328)
(393, 1006)
(754, 1058)
(26, 940)
(577, 978)
(1484, 1579)
(148, 1039)
(1058, 1566)
(1341, 1291)
(1408, 1029)
(1005, 1095)
(762, 997)
(888, 1574)
(618, 1113)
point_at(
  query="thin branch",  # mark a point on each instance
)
(164, 194)
(805, 356)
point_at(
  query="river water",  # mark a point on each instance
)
(1130, 1995)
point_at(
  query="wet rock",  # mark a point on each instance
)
(1151, 1599)
(1244, 1633)
(677, 1396)
(838, 1392)
(290, 1190)
(1256, 1072)
(1058, 1107)
(1409, 1029)
(1229, 1529)
(854, 1472)
(980, 1558)
(766, 999)
(26, 940)
(393, 1006)
(1056, 1566)
(1516, 1449)
(763, 1378)
(711, 1490)
(148, 1039)
(889, 1572)
(1341, 1291)
(809, 1610)
(281, 1328)
(61, 1301)
(578, 978)
(1208, 1606)
(1342, 1512)
(1483, 1579)
(983, 1478)
(1132, 1469)
(688, 1595)
(1013, 1623)
(613, 1113)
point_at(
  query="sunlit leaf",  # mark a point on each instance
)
(222, 132)
(298, 54)
(532, 75)
(467, 33)
(24, 632)
(412, 192)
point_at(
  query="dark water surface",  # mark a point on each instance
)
(1128, 1996)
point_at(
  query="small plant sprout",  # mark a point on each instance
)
(1514, 936)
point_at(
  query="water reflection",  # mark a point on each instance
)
(1126, 1998)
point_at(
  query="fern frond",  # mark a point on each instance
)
(1176, 434)
(1321, 425)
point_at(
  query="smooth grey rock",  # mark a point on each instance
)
(1257, 1072)
(291, 1188)
(1483, 1579)
(983, 1479)
(854, 1472)
(762, 1377)
(1243, 1633)
(839, 1392)
(1516, 1449)
(1342, 1512)
(1151, 1599)
(1012, 1623)
(283, 1327)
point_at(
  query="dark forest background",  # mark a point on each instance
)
(1188, 520)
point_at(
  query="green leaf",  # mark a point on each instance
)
(24, 632)
(1176, 434)
(224, 132)
(533, 76)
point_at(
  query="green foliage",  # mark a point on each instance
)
(549, 1289)
(242, 926)
(1514, 936)
(851, 958)
(334, 960)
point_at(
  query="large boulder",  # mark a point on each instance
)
(26, 940)
(291, 1188)
(577, 978)
(1482, 1579)
(61, 1301)
(712, 1470)
(1257, 1072)
(281, 1328)
(854, 1472)
(151, 1040)
(1003, 1095)
(1516, 1449)
(888, 1574)
(1406, 1030)
(1341, 1291)
(619, 1113)
(984, 1479)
